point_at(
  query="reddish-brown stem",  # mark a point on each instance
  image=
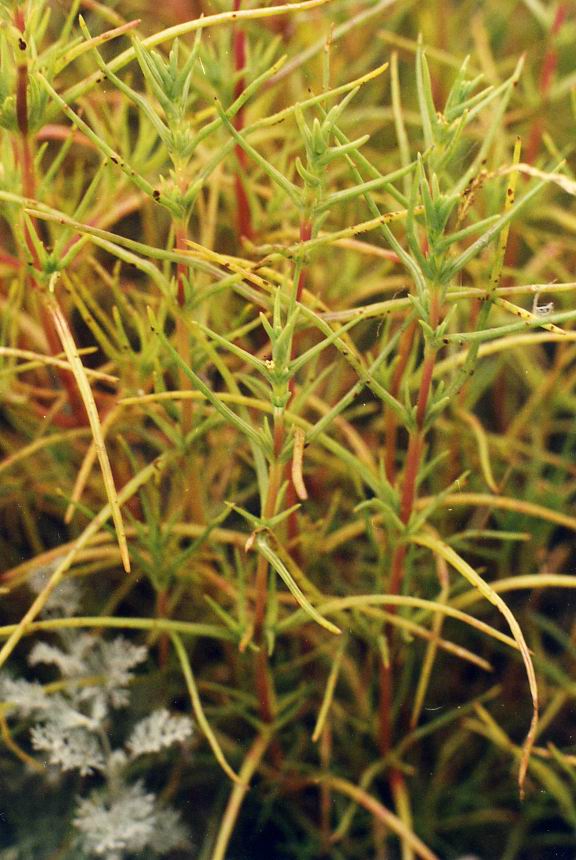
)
(53, 131)
(407, 501)
(551, 58)
(181, 268)
(244, 218)
(390, 421)
(79, 415)
(19, 20)
(385, 709)
(163, 640)
(22, 99)
(265, 693)
(263, 685)
(8, 260)
(26, 156)
(416, 442)
(27, 160)
(305, 236)
(263, 680)
(425, 385)
(410, 476)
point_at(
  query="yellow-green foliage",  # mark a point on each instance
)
(287, 393)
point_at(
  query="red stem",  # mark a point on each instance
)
(408, 498)
(263, 680)
(410, 475)
(163, 641)
(425, 386)
(22, 99)
(390, 421)
(263, 689)
(305, 236)
(385, 709)
(181, 268)
(551, 58)
(7, 259)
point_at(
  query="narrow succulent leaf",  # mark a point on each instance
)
(329, 691)
(266, 550)
(288, 187)
(243, 354)
(198, 710)
(135, 97)
(458, 563)
(134, 177)
(70, 349)
(425, 99)
(491, 233)
(199, 383)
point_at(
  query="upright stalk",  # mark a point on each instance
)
(292, 496)
(390, 419)
(275, 477)
(407, 502)
(182, 336)
(264, 685)
(192, 491)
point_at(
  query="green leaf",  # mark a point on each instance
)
(265, 549)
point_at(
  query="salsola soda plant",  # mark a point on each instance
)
(287, 376)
